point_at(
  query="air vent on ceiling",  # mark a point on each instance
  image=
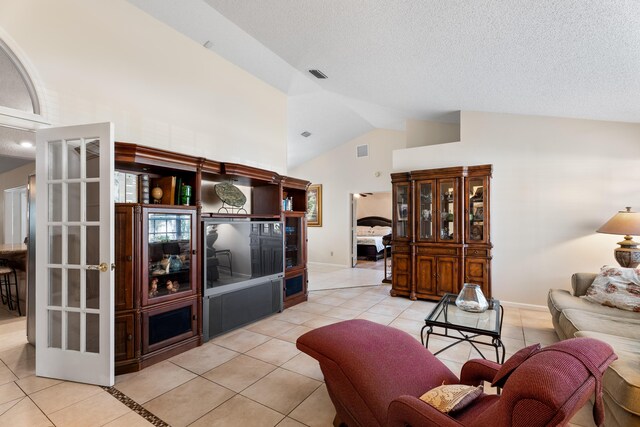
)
(362, 150)
(318, 74)
(306, 134)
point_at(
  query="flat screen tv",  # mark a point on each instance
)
(240, 252)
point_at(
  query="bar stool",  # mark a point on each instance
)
(6, 272)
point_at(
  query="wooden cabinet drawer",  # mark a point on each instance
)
(400, 249)
(473, 252)
(438, 251)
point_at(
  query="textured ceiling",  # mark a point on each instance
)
(392, 60)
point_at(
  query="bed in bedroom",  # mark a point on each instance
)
(370, 232)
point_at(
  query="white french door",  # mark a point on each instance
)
(74, 253)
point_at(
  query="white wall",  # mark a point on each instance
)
(109, 61)
(341, 174)
(12, 179)
(376, 204)
(555, 181)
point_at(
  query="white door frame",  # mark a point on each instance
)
(354, 229)
(11, 196)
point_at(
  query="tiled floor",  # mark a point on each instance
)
(253, 376)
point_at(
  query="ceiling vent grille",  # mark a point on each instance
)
(362, 150)
(318, 74)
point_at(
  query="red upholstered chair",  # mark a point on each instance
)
(375, 375)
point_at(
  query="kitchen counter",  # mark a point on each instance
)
(13, 249)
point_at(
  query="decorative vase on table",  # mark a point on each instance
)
(471, 299)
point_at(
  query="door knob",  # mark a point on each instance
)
(103, 267)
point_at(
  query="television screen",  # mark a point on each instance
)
(239, 251)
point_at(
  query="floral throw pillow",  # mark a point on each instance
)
(453, 397)
(616, 287)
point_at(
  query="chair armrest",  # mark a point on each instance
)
(411, 411)
(475, 371)
(580, 282)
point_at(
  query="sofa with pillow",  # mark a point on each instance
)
(606, 306)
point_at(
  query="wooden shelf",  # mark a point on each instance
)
(238, 216)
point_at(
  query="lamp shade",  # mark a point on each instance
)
(623, 223)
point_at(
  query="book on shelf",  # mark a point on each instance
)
(176, 199)
(125, 187)
(143, 188)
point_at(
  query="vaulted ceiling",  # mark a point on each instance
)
(388, 61)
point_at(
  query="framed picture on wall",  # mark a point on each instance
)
(314, 205)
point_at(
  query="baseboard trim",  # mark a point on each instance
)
(329, 264)
(525, 306)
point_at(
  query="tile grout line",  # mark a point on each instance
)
(16, 400)
(40, 409)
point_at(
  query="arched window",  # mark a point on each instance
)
(16, 88)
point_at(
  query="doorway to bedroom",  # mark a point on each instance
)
(371, 231)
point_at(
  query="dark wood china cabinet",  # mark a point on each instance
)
(441, 233)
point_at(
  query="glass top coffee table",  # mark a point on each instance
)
(465, 326)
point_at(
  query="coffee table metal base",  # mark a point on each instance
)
(496, 343)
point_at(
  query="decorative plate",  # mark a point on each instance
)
(230, 194)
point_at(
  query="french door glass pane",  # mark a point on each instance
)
(73, 288)
(92, 333)
(73, 159)
(55, 160)
(93, 245)
(73, 331)
(92, 207)
(55, 245)
(55, 328)
(73, 202)
(55, 287)
(55, 202)
(73, 245)
(93, 289)
(93, 159)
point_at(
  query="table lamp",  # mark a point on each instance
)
(625, 223)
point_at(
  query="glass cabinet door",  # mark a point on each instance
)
(169, 248)
(293, 242)
(425, 210)
(476, 196)
(401, 212)
(448, 228)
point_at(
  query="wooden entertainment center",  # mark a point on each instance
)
(159, 247)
